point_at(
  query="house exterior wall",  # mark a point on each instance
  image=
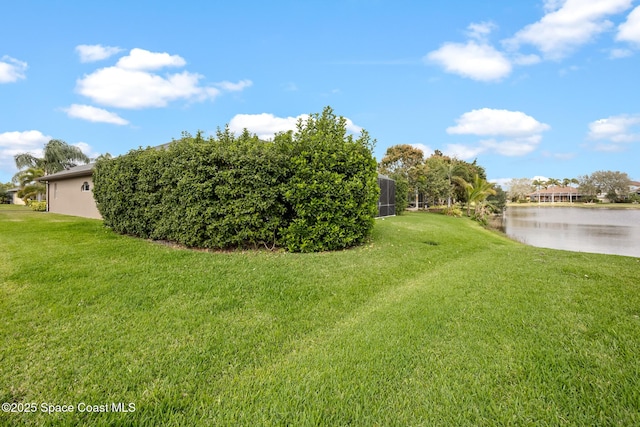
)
(66, 196)
(15, 200)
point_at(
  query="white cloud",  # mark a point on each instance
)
(87, 150)
(552, 5)
(559, 156)
(502, 182)
(629, 30)
(426, 150)
(532, 59)
(566, 70)
(94, 114)
(620, 53)
(266, 125)
(96, 52)
(117, 87)
(480, 31)
(568, 25)
(487, 121)
(478, 61)
(515, 133)
(624, 128)
(352, 127)
(609, 148)
(512, 147)
(23, 141)
(11, 69)
(132, 84)
(234, 87)
(12, 143)
(140, 59)
(463, 152)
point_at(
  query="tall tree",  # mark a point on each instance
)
(400, 159)
(553, 182)
(499, 200)
(57, 156)
(614, 185)
(519, 189)
(436, 182)
(566, 182)
(450, 169)
(538, 183)
(588, 188)
(401, 162)
(576, 182)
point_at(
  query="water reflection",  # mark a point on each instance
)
(607, 231)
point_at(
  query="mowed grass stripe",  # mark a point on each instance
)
(513, 361)
(435, 321)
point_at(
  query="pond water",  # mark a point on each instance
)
(597, 230)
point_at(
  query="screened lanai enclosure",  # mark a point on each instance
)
(387, 200)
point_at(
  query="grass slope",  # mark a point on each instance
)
(435, 321)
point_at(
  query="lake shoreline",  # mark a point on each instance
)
(605, 231)
(620, 206)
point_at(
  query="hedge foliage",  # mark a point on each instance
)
(312, 190)
(37, 206)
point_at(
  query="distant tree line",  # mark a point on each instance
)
(612, 185)
(438, 180)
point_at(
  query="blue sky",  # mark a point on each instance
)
(529, 88)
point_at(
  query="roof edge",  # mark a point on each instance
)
(82, 170)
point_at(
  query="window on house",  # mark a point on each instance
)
(85, 186)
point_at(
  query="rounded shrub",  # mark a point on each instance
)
(312, 190)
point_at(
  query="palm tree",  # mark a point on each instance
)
(57, 156)
(29, 188)
(538, 183)
(566, 182)
(573, 181)
(476, 192)
(553, 182)
(449, 169)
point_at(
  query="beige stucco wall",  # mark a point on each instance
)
(66, 197)
(17, 200)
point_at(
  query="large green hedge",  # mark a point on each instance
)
(312, 190)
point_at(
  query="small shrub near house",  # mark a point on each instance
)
(310, 190)
(37, 206)
(454, 211)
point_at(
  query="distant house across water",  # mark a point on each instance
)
(556, 194)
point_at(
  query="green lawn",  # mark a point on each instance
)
(435, 321)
